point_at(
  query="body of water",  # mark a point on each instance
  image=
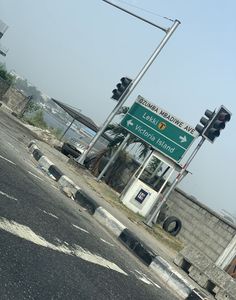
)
(84, 136)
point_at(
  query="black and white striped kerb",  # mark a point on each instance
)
(86, 201)
(55, 172)
(37, 154)
(197, 295)
(141, 250)
(161, 267)
(31, 143)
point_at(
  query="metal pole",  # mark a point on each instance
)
(161, 176)
(125, 96)
(150, 219)
(26, 106)
(66, 130)
(136, 173)
(113, 157)
(136, 16)
(157, 169)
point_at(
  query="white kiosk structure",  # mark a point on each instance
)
(149, 183)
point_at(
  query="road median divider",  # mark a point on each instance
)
(167, 273)
(107, 220)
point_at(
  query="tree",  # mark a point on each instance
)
(37, 120)
(119, 133)
(5, 75)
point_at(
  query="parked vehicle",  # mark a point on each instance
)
(73, 148)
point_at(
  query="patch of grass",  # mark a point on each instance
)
(37, 120)
(56, 132)
(166, 238)
(110, 196)
(168, 241)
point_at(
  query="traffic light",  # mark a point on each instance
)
(121, 88)
(204, 121)
(217, 124)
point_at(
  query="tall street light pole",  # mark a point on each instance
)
(124, 97)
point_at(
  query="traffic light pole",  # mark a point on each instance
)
(130, 89)
(150, 220)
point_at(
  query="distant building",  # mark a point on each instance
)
(3, 29)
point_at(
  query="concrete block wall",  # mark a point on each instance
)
(209, 276)
(201, 227)
(4, 86)
(14, 99)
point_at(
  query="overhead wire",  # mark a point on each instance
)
(145, 10)
(136, 16)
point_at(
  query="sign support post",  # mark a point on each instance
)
(149, 221)
(114, 156)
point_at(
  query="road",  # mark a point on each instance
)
(51, 248)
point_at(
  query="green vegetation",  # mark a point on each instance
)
(166, 238)
(124, 159)
(5, 75)
(31, 107)
(29, 89)
(56, 132)
(119, 133)
(37, 120)
(167, 241)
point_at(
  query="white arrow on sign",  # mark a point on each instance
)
(129, 122)
(183, 139)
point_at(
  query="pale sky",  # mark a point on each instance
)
(76, 51)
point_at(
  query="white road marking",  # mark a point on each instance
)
(26, 233)
(8, 196)
(145, 279)
(80, 228)
(96, 259)
(48, 213)
(12, 146)
(56, 188)
(11, 162)
(35, 175)
(104, 241)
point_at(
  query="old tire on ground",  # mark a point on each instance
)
(172, 225)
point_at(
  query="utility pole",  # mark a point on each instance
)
(124, 97)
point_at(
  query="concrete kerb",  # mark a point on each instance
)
(55, 172)
(171, 278)
(68, 187)
(162, 268)
(107, 220)
(86, 201)
(44, 163)
(137, 246)
(32, 146)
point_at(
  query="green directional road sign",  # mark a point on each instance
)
(158, 128)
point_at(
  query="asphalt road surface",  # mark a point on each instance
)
(50, 247)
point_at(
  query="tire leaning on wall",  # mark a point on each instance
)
(168, 223)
